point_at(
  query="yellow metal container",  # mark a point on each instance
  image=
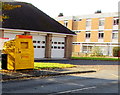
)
(20, 53)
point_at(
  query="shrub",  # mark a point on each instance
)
(116, 51)
(96, 51)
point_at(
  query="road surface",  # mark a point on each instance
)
(83, 62)
(105, 80)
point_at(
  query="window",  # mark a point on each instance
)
(59, 42)
(34, 41)
(62, 47)
(88, 22)
(77, 19)
(87, 49)
(115, 35)
(58, 47)
(76, 31)
(101, 22)
(87, 34)
(66, 23)
(76, 43)
(115, 21)
(55, 42)
(101, 35)
(38, 46)
(38, 41)
(43, 46)
(43, 42)
(55, 47)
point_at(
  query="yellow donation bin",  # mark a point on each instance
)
(20, 53)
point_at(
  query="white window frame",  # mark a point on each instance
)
(114, 34)
(101, 21)
(87, 49)
(88, 34)
(115, 21)
(88, 22)
(65, 23)
(100, 33)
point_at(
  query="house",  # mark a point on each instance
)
(50, 38)
(93, 30)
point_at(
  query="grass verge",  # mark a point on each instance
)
(96, 58)
(42, 65)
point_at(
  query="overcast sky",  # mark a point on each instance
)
(74, 7)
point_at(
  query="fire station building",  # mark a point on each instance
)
(50, 38)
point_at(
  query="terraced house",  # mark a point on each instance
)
(94, 30)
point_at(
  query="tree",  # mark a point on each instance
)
(6, 7)
(116, 51)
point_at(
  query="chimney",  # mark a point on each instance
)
(60, 15)
(98, 11)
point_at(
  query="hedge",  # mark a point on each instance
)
(116, 51)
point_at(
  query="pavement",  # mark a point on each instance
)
(25, 74)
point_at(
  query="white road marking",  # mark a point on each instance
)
(75, 84)
(73, 90)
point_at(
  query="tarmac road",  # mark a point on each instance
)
(105, 80)
(83, 62)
